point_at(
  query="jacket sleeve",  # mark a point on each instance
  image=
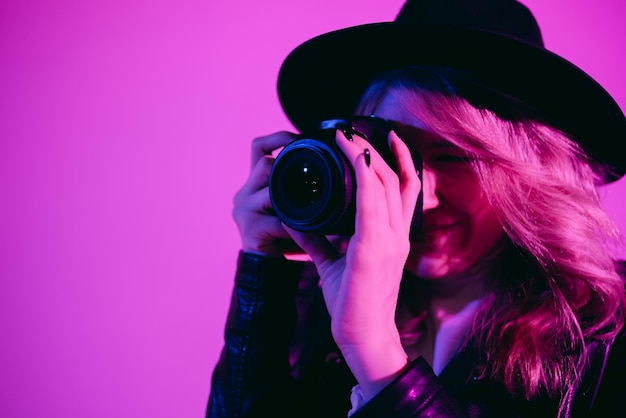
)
(252, 376)
(415, 393)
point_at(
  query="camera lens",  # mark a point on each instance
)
(312, 184)
(304, 183)
(311, 187)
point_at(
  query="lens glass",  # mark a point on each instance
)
(308, 186)
(303, 183)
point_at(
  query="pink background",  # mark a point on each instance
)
(124, 133)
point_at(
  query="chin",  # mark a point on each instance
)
(429, 267)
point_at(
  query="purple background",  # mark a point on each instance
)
(124, 133)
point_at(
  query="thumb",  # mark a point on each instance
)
(318, 247)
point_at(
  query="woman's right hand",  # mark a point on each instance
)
(260, 230)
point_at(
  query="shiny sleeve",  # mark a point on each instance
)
(252, 376)
(416, 393)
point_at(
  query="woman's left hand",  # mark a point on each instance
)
(361, 286)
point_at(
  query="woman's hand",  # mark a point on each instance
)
(260, 230)
(361, 286)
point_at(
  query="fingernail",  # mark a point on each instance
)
(345, 130)
(366, 154)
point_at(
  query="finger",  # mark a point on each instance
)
(369, 206)
(270, 227)
(316, 246)
(266, 234)
(366, 200)
(266, 145)
(260, 232)
(273, 227)
(410, 185)
(257, 202)
(258, 179)
(389, 193)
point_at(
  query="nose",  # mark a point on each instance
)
(429, 189)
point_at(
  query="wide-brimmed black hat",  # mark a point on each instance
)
(497, 41)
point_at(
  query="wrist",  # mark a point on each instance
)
(376, 365)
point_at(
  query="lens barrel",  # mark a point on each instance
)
(312, 184)
(312, 187)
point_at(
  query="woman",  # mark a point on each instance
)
(507, 301)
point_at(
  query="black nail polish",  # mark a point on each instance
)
(366, 154)
(345, 130)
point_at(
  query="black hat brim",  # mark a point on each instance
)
(325, 77)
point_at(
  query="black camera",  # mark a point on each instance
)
(312, 184)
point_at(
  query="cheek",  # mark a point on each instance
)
(483, 227)
(486, 228)
(462, 191)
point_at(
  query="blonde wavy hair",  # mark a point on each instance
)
(559, 286)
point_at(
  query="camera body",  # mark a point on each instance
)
(312, 184)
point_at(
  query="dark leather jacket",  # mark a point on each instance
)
(279, 360)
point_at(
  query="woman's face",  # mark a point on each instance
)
(459, 229)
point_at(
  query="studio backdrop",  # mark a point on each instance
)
(124, 132)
